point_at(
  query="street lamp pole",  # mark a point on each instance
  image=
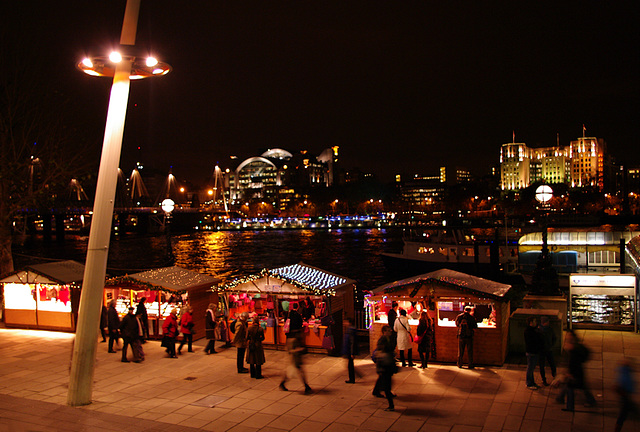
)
(86, 341)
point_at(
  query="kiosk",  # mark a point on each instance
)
(164, 289)
(444, 294)
(43, 296)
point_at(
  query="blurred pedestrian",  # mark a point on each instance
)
(625, 387)
(255, 351)
(210, 329)
(578, 355)
(104, 323)
(295, 318)
(466, 324)
(404, 341)
(392, 315)
(385, 366)
(113, 324)
(141, 313)
(424, 335)
(131, 331)
(240, 341)
(548, 343)
(296, 350)
(186, 328)
(533, 346)
(170, 332)
(350, 348)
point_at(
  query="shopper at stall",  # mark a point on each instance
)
(424, 334)
(295, 318)
(104, 323)
(404, 338)
(296, 351)
(141, 313)
(350, 348)
(170, 332)
(578, 354)
(308, 308)
(385, 366)
(113, 323)
(255, 351)
(131, 332)
(240, 341)
(210, 329)
(392, 315)
(548, 342)
(186, 327)
(533, 347)
(466, 324)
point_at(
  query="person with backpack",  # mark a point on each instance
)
(466, 324)
(578, 355)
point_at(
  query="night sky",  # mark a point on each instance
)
(401, 87)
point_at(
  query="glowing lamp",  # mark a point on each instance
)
(167, 205)
(544, 193)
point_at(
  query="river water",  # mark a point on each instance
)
(352, 253)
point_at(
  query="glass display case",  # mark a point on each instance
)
(602, 309)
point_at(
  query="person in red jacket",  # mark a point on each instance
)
(170, 332)
(186, 327)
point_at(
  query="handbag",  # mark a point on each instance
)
(327, 342)
(418, 338)
(287, 325)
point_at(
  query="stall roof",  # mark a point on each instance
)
(462, 281)
(60, 272)
(293, 279)
(174, 278)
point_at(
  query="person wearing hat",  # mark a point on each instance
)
(130, 331)
(240, 341)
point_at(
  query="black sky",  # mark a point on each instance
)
(401, 87)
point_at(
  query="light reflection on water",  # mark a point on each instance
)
(353, 253)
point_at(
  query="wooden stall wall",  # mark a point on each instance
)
(199, 299)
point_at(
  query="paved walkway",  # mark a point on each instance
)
(198, 392)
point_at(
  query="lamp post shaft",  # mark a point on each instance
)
(86, 340)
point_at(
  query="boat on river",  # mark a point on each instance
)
(453, 249)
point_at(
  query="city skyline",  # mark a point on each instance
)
(400, 88)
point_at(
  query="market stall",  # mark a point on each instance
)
(323, 298)
(164, 289)
(43, 296)
(444, 294)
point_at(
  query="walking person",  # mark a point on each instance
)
(210, 329)
(104, 323)
(578, 354)
(255, 351)
(240, 341)
(548, 342)
(170, 332)
(625, 387)
(424, 334)
(533, 347)
(186, 328)
(350, 348)
(392, 315)
(466, 324)
(131, 332)
(113, 324)
(385, 367)
(295, 318)
(296, 350)
(404, 339)
(141, 313)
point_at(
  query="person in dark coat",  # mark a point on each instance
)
(170, 332)
(308, 308)
(385, 366)
(113, 323)
(548, 342)
(578, 354)
(392, 315)
(425, 333)
(255, 351)
(295, 319)
(131, 332)
(104, 323)
(186, 327)
(210, 329)
(141, 313)
(533, 347)
(466, 324)
(350, 348)
(240, 341)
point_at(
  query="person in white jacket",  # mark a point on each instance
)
(403, 329)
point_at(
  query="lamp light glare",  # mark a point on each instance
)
(115, 57)
(87, 62)
(158, 71)
(152, 61)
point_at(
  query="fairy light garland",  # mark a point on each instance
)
(139, 284)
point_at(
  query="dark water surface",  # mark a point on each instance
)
(353, 253)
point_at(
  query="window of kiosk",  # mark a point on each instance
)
(19, 296)
(448, 310)
(54, 298)
(413, 308)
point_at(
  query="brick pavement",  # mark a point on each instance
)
(198, 392)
